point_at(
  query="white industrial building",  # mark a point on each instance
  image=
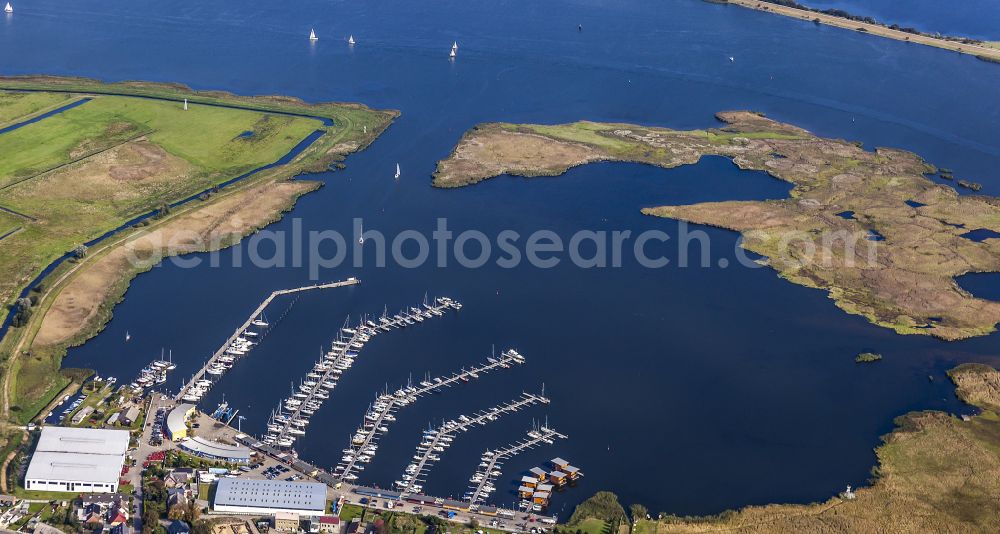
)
(214, 450)
(77, 460)
(267, 497)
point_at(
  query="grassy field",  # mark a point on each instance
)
(44, 495)
(19, 106)
(118, 156)
(9, 222)
(61, 138)
(89, 169)
(593, 526)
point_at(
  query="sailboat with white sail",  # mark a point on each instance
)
(312, 35)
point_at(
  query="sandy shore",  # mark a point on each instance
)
(874, 29)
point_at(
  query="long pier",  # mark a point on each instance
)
(437, 440)
(337, 360)
(492, 461)
(200, 375)
(364, 443)
(285, 426)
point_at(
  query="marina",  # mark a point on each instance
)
(483, 481)
(583, 328)
(364, 443)
(154, 374)
(435, 441)
(239, 343)
(289, 421)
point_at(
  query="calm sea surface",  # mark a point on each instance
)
(690, 390)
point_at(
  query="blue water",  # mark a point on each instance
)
(979, 19)
(721, 386)
(981, 234)
(982, 285)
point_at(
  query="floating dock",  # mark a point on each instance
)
(364, 442)
(437, 440)
(199, 384)
(292, 416)
(492, 461)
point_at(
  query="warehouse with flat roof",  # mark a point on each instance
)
(267, 497)
(77, 460)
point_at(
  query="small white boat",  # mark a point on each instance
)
(454, 46)
(8, 8)
(312, 35)
(350, 40)
(397, 171)
(452, 54)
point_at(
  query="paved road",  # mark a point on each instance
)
(211, 429)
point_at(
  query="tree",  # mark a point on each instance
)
(176, 512)
(80, 252)
(23, 313)
(192, 513)
(638, 512)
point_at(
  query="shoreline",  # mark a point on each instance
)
(337, 140)
(849, 181)
(984, 53)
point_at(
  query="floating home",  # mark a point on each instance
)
(572, 473)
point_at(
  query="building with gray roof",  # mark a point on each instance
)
(267, 497)
(77, 460)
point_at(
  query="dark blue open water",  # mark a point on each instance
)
(689, 390)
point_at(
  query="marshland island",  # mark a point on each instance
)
(869, 227)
